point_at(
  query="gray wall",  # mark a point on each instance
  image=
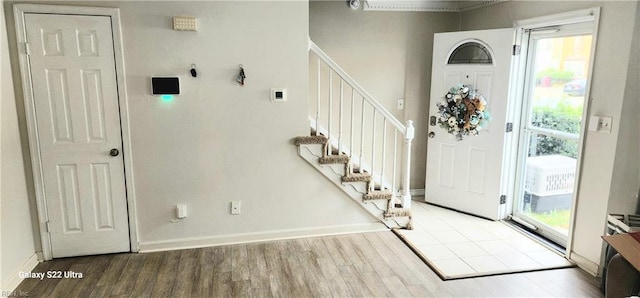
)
(389, 54)
(217, 141)
(626, 176)
(16, 234)
(606, 179)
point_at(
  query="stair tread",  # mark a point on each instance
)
(378, 195)
(357, 177)
(355, 174)
(307, 140)
(398, 212)
(332, 159)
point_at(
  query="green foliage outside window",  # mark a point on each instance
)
(562, 117)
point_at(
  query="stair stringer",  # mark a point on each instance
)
(355, 190)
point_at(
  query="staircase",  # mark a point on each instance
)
(356, 143)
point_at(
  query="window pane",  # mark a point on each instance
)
(470, 53)
(549, 181)
(560, 74)
(541, 145)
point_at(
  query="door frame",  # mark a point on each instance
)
(518, 89)
(19, 11)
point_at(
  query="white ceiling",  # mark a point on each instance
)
(426, 5)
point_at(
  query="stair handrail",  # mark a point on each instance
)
(347, 78)
(407, 130)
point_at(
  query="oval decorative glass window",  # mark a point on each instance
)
(470, 53)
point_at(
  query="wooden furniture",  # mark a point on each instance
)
(622, 271)
(627, 245)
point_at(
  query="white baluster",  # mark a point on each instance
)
(318, 101)
(330, 110)
(351, 132)
(406, 167)
(384, 150)
(373, 149)
(395, 159)
(362, 136)
(340, 116)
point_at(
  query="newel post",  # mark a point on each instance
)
(406, 165)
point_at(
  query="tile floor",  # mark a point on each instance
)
(457, 245)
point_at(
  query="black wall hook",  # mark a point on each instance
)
(240, 78)
(194, 73)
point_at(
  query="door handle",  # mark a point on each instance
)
(114, 152)
(432, 135)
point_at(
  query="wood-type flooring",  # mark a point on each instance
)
(355, 265)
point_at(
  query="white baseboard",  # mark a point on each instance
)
(197, 242)
(15, 279)
(417, 192)
(586, 265)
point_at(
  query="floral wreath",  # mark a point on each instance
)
(463, 111)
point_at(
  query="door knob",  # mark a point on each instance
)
(114, 152)
(432, 135)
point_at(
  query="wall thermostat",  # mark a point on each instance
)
(278, 94)
(165, 85)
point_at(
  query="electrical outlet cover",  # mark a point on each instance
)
(181, 211)
(235, 207)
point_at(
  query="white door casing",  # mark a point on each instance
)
(77, 120)
(466, 175)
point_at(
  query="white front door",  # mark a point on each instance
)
(75, 96)
(466, 174)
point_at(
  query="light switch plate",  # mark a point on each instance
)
(604, 124)
(400, 105)
(600, 123)
(594, 122)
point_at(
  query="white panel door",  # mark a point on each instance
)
(466, 175)
(77, 116)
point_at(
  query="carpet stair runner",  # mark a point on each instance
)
(354, 175)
